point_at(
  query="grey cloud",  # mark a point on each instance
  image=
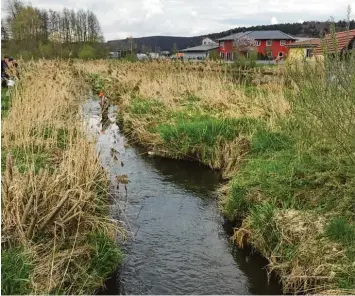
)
(120, 19)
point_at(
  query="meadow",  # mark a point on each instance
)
(285, 148)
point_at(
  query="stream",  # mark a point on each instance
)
(177, 241)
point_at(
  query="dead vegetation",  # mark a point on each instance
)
(54, 207)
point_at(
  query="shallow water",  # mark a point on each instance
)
(178, 242)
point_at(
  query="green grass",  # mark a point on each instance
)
(141, 106)
(289, 179)
(198, 135)
(264, 140)
(105, 256)
(342, 231)
(16, 269)
(27, 160)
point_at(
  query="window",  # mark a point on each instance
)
(222, 55)
(258, 43)
(281, 54)
(228, 56)
(282, 42)
(221, 44)
(309, 53)
(268, 42)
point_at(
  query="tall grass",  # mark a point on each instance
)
(287, 150)
(297, 199)
(51, 208)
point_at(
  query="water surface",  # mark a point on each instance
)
(177, 242)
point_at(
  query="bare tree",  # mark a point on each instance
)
(4, 32)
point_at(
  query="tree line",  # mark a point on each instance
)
(32, 32)
(306, 29)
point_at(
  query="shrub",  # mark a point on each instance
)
(87, 52)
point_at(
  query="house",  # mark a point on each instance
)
(207, 40)
(268, 43)
(345, 41)
(303, 50)
(200, 52)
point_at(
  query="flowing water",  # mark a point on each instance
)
(177, 240)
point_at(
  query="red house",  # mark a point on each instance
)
(275, 41)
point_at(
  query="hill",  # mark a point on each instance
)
(154, 43)
(167, 43)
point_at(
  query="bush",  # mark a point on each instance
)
(324, 102)
(87, 52)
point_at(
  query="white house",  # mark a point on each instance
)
(200, 52)
(207, 41)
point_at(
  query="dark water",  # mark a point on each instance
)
(177, 242)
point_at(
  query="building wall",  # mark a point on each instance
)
(298, 54)
(276, 47)
(195, 55)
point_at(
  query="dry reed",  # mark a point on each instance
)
(50, 208)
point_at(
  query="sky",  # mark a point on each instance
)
(138, 18)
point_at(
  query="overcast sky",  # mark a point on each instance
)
(137, 18)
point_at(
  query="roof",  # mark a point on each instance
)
(260, 35)
(234, 36)
(304, 38)
(203, 38)
(311, 42)
(204, 47)
(343, 40)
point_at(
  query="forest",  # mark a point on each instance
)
(32, 32)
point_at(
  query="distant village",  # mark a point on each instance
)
(270, 46)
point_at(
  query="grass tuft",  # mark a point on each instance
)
(16, 269)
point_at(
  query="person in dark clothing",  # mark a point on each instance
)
(4, 68)
(104, 103)
(14, 66)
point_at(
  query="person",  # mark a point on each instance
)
(104, 103)
(13, 65)
(4, 67)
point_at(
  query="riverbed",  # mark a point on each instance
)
(177, 241)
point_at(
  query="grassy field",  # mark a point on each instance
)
(286, 152)
(57, 236)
